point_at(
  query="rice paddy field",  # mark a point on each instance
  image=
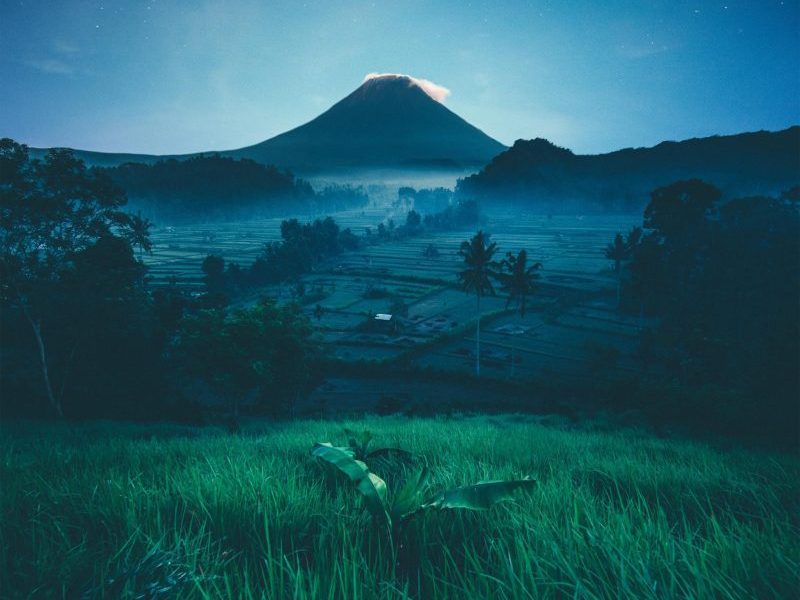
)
(574, 317)
(104, 510)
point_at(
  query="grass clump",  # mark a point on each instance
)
(141, 511)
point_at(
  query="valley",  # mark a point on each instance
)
(399, 301)
(573, 328)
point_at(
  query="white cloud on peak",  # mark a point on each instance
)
(434, 90)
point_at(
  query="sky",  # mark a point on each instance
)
(178, 76)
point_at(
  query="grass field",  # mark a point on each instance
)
(111, 510)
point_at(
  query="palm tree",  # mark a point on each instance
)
(139, 233)
(519, 282)
(617, 251)
(479, 268)
(621, 249)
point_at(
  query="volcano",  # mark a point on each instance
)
(390, 120)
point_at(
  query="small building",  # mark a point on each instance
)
(385, 323)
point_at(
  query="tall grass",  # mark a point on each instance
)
(109, 510)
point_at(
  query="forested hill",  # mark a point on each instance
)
(539, 174)
(220, 187)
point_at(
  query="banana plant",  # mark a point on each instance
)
(359, 442)
(371, 487)
(409, 500)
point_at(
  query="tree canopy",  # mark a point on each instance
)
(66, 263)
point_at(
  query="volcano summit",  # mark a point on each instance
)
(390, 120)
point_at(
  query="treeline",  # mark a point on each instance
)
(214, 187)
(724, 280)
(304, 245)
(536, 175)
(301, 247)
(83, 336)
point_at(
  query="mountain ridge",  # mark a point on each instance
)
(537, 170)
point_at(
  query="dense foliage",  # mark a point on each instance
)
(259, 357)
(83, 336)
(214, 187)
(72, 298)
(724, 278)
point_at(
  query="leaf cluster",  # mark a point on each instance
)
(414, 496)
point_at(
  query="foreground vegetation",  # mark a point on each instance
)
(111, 510)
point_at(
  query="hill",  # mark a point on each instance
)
(536, 172)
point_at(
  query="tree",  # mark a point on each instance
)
(620, 250)
(679, 209)
(103, 335)
(413, 219)
(51, 212)
(479, 269)
(139, 233)
(264, 352)
(349, 240)
(520, 280)
(214, 269)
(617, 251)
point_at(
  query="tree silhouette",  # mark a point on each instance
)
(519, 281)
(616, 251)
(139, 233)
(620, 250)
(678, 210)
(479, 269)
(214, 270)
(53, 211)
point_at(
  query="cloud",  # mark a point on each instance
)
(51, 66)
(65, 48)
(434, 90)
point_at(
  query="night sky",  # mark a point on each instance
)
(165, 76)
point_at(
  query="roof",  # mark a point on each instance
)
(383, 317)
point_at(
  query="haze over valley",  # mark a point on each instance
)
(430, 300)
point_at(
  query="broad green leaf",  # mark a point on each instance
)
(341, 458)
(359, 441)
(480, 496)
(372, 487)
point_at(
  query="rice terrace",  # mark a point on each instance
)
(575, 272)
(281, 321)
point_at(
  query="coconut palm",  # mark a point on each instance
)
(617, 251)
(476, 278)
(620, 250)
(139, 233)
(519, 280)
